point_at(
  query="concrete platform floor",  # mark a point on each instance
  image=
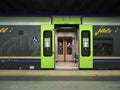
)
(59, 80)
(60, 85)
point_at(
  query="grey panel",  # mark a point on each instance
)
(20, 40)
(109, 36)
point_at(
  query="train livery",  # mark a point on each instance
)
(60, 42)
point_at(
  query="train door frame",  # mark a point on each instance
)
(85, 61)
(72, 30)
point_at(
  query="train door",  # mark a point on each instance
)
(47, 47)
(79, 54)
(86, 47)
(66, 48)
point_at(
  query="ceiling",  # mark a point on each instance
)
(60, 6)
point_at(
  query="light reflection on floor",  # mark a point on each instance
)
(66, 65)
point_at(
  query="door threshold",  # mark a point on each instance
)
(75, 68)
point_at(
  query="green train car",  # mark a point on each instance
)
(60, 42)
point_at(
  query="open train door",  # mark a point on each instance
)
(47, 47)
(86, 47)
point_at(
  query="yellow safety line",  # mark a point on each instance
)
(59, 73)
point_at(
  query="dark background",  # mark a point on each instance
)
(82, 7)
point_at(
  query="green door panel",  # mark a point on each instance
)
(47, 62)
(86, 62)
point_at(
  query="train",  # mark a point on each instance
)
(60, 42)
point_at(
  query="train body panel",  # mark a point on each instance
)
(60, 42)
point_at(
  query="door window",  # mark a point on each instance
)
(60, 46)
(69, 46)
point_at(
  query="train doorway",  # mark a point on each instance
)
(66, 48)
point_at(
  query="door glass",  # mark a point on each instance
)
(60, 46)
(69, 46)
(85, 43)
(47, 43)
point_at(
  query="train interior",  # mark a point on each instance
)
(66, 46)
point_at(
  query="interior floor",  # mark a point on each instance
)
(66, 65)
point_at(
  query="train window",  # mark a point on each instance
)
(85, 43)
(69, 46)
(20, 32)
(60, 46)
(47, 43)
(103, 47)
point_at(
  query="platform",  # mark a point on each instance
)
(60, 79)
